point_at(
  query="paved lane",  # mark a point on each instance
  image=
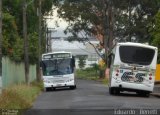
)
(90, 97)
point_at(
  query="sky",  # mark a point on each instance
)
(62, 24)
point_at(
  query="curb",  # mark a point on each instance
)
(157, 82)
(156, 94)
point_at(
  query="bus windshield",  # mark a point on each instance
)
(136, 55)
(57, 67)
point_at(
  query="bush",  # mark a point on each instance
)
(38, 84)
(88, 73)
(19, 97)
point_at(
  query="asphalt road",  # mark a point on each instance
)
(92, 98)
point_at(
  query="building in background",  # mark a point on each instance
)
(78, 49)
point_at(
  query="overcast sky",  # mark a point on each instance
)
(61, 25)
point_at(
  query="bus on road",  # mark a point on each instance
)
(58, 70)
(132, 68)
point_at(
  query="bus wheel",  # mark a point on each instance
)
(111, 91)
(46, 89)
(117, 91)
(114, 91)
(73, 87)
(146, 94)
(53, 88)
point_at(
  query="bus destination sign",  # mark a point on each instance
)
(57, 56)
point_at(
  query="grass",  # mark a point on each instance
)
(19, 96)
(90, 74)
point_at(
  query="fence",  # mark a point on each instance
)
(14, 73)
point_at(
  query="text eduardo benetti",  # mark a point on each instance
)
(124, 112)
(133, 112)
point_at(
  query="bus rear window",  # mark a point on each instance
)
(136, 55)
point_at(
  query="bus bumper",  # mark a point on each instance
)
(132, 86)
(56, 85)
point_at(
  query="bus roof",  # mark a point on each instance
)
(56, 52)
(137, 44)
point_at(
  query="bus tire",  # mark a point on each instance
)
(53, 88)
(111, 91)
(117, 91)
(114, 91)
(46, 89)
(146, 94)
(73, 87)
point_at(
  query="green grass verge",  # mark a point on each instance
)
(90, 74)
(19, 96)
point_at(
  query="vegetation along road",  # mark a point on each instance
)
(92, 97)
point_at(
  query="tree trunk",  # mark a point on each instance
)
(1, 46)
(26, 59)
(39, 43)
(0, 38)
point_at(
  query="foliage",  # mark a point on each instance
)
(139, 22)
(82, 62)
(89, 17)
(95, 66)
(88, 73)
(13, 43)
(38, 84)
(156, 34)
(18, 53)
(82, 16)
(18, 97)
(9, 33)
(33, 49)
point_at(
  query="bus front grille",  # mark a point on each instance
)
(57, 81)
(129, 77)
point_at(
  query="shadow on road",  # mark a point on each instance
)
(130, 94)
(59, 89)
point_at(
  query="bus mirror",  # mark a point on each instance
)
(73, 61)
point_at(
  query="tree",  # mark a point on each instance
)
(156, 34)
(134, 18)
(25, 37)
(107, 19)
(15, 28)
(82, 62)
(0, 38)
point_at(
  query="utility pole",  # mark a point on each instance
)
(26, 59)
(108, 27)
(110, 24)
(1, 46)
(129, 20)
(39, 42)
(49, 38)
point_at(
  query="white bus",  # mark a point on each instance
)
(58, 70)
(132, 68)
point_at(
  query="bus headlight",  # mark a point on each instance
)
(69, 80)
(46, 81)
